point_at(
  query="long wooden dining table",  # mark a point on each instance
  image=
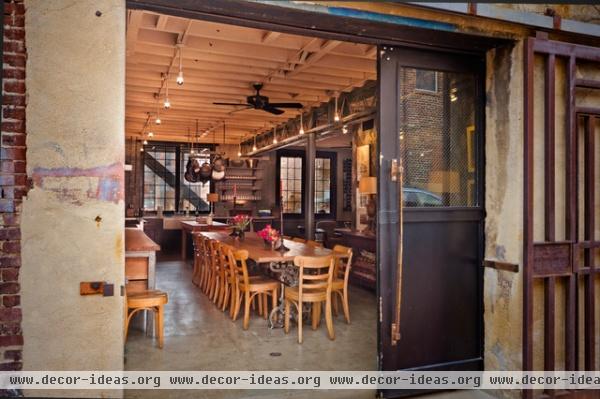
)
(277, 262)
(261, 254)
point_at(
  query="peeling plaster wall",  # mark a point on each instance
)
(504, 204)
(73, 217)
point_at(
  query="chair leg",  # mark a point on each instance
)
(316, 314)
(299, 308)
(232, 301)
(346, 306)
(238, 305)
(265, 301)
(335, 304)
(246, 310)
(161, 326)
(328, 318)
(225, 297)
(286, 325)
(260, 304)
(126, 325)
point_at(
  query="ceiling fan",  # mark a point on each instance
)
(262, 102)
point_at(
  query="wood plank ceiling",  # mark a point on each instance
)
(220, 62)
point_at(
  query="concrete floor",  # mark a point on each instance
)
(200, 337)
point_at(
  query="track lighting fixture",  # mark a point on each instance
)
(179, 79)
(301, 125)
(167, 103)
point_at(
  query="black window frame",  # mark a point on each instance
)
(180, 150)
(332, 156)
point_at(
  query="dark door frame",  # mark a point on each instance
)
(375, 30)
(327, 26)
(388, 197)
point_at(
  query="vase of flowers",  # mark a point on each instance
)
(240, 223)
(270, 236)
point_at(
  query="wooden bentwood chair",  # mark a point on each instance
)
(152, 300)
(341, 275)
(314, 286)
(247, 287)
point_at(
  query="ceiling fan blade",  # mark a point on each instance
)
(271, 109)
(234, 104)
(285, 105)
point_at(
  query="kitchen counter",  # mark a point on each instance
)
(137, 240)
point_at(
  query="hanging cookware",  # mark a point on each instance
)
(216, 175)
(205, 172)
(236, 163)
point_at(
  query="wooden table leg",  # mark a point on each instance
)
(183, 244)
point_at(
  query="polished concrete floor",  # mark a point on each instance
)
(200, 337)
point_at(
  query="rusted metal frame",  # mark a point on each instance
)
(588, 110)
(587, 83)
(571, 317)
(562, 49)
(589, 228)
(549, 149)
(549, 325)
(528, 211)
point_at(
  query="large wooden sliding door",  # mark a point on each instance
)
(430, 144)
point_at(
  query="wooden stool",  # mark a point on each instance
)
(147, 300)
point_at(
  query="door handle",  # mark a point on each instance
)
(398, 175)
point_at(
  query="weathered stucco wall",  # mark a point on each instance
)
(73, 217)
(504, 204)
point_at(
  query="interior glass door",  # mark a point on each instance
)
(430, 200)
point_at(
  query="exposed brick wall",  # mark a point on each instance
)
(13, 184)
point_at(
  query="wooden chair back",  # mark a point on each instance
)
(315, 274)
(343, 262)
(238, 259)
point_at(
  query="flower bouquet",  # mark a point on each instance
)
(240, 223)
(270, 236)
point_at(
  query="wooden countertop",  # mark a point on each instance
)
(137, 240)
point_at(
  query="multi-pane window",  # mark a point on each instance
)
(426, 80)
(323, 185)
(291, 181)
(159, 178)
(192, 196)
(291, 172)
(162, 185)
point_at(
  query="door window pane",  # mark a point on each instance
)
(438, 138)
(291, 184)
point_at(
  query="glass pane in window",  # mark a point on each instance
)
(438, 138)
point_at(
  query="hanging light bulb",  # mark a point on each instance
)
(301, 125)
(336, 116)
(157, 121)
(344, 129)
(150, 134)
(179, 79)
(275, 135)
(240, 150)
(254, 146)
(142, 149)
(145, 142)
(167, 103)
